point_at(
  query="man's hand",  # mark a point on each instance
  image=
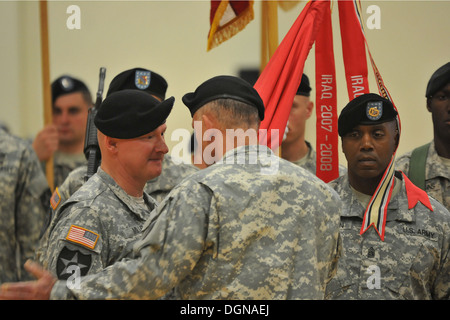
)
(46, 142)
(30, 290)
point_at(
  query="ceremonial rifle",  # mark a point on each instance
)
(91, 148)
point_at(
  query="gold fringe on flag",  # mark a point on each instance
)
(219, 31)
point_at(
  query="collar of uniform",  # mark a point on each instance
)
(398, 205)
(124, 197)
(256, 149)
(435, 167)
(352, 207)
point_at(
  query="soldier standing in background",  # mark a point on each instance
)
(428, 166)
(24, 195)
(64, 138)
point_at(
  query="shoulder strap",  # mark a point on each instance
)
(417, 163)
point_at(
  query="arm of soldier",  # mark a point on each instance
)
(31, 213)
(442, 283)
(169, 249)
(327, 239)
(78, 244)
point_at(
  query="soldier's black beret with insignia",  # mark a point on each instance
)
(438, 80)
(139, 79)
(66, 85)
(367, 109)
(304, 89)
(224, 87)
(130, 113)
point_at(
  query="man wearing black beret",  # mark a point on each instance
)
(173, 171)
(400, 253)
(64, 137)
(249, 226)
(428, 166)
(97, 225)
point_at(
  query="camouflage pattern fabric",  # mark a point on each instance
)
(413, 261)
(63, 164)
(23, 186)
(94, 228)
(309, 161)
(263, 229)
(437, 175)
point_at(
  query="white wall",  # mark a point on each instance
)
(169, 37)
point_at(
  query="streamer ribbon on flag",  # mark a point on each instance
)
(354, 44)
(282, 75)
(327, 161)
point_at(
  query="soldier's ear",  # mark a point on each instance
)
(110, 143)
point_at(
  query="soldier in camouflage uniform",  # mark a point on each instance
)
(413, 260)
(23, 190)
(436, 167)
(64, 138)
(99, 222)
(294, 147)
(250, 226)
(173, 172)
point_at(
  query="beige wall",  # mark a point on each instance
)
(169, 37)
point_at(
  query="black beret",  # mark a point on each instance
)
(66, 85)
(129, 113)
(224, 87)
(140, 79)
(304, 89)
(367, 109)
(438, 80)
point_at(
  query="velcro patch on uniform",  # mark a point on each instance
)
(55, 199)
(72, 263)
(82, 236)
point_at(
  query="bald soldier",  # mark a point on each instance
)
(98, 224)
(250, 226)
(408, 257)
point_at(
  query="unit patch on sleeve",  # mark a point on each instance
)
(72, 263)
(82, 236)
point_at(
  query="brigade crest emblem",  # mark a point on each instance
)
(374, 110)
(142, 79)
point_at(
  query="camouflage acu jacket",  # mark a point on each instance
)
(437, 175)
(23, 188)
(252, 226)
(93, 229)
(413, 261)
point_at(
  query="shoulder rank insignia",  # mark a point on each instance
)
(55, 199)
(82, 236)
(142, 79)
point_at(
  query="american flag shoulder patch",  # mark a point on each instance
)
(82, 236)
(55, 199)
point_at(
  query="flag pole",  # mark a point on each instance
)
(269, 31)
(46, 82)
